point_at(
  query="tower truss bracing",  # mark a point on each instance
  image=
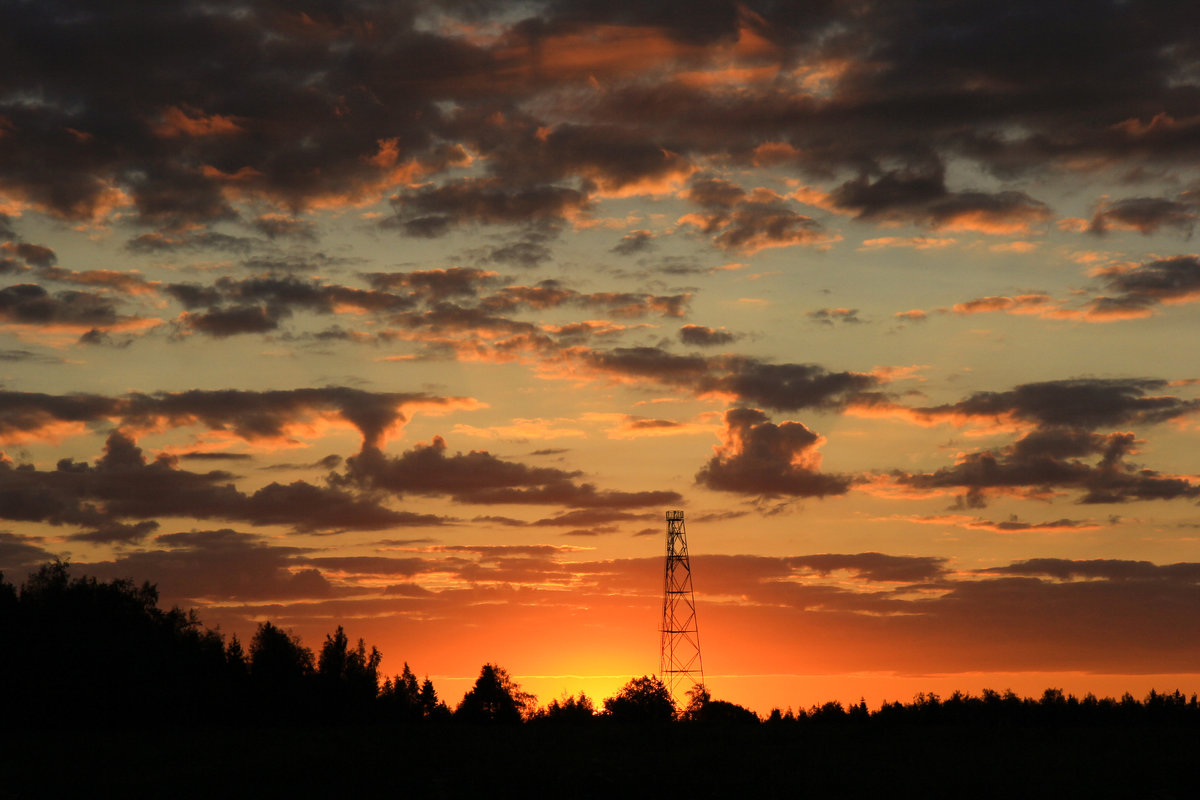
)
(679, 664)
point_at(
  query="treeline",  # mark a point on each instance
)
(75, 651)
(994, 708)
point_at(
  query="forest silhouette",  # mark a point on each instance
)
(95, 673)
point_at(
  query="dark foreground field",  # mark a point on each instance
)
(847, 760)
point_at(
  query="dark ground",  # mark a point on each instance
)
(838, 760)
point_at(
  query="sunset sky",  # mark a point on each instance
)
(416, 317)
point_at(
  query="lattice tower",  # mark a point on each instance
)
(679, 664)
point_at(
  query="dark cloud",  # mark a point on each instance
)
(173, 197)
(282, 294)
(480, 477)
(528, 251)
(1080, 403)
(271, 414)
(782, 387)
(234, 321)
(11, 266)
(22, 255)
(443, 318)
(634, 242)
(1062, 450)
(30, 304)
(702, 336)
(758, 457)
(1101, 568)
(24, 414)
(266, 126)
(1146, 215)
(552, 294)
(917, 83)
(123, 485)
(434, 285)
(19, 552)
(786, 387)
(193, 295)
(1053, 459)
(650, 362)
(610, 158)
(249, 415)
(922, 198)
(828, 316)
(715, 193)
(435, 211)
(709, 23)
(1138, 290)
(202, 566)
(258, 305)
(215, 456)
(302, 110)
(278, 226)
(750, 221)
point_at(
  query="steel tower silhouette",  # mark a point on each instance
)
(679, 664)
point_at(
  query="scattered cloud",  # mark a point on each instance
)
(758, 457)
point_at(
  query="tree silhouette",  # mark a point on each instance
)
(698, 698)
(95, 650)
(642, 700)
(495, 698)
(348, 678)
(431, 707)
(568, 710)
(280, 671)
(400, 698)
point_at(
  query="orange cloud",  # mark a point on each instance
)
(1021, 304)
(46, 431)
(667, 183)
(915, 242)
(64, 334)
(1012, 220)
(599, 50)
(1014, 247)
(126, 282)
(1010, 526)
(188, 121)
(769, 154)
(1160, 123)
(729, 77)
(890, 374)
(929, 417)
